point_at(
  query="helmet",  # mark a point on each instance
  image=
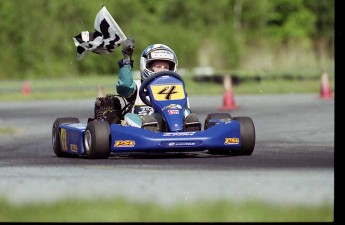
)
(153, 53)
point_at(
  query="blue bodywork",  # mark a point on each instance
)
(131, 139)
(168, 97)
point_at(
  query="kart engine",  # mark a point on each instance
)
(108, 108)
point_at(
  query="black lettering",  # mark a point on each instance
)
(168, 91)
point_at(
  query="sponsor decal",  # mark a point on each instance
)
(161, 54)
(124, 143)
(231, 141)
(172, 106)
(181, 143)
(63, 139)
(73, 147)
(178, 134)
(173, 111)
(142, 110)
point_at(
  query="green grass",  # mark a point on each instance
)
(7, 131)
(87, 87)
(119, 210)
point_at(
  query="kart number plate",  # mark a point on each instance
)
(168, 92)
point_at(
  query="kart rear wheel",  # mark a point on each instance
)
(247, 133)
(209, 123)
(56, 140)
(97, 140)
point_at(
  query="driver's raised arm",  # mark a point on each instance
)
(125, 86)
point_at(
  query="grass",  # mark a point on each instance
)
(119, 210)
(7, 131)
(87, 87)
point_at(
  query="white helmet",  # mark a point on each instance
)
(153, 53)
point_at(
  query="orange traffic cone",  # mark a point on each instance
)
(100, 91)
(326, 89)
(26, 88)
(228, 97)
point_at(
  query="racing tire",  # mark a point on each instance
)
(161, 122)
(247, 136)
(219, 116)
(56, 140)
(208, 124)
(97, 140)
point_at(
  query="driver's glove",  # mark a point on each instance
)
(127, 50)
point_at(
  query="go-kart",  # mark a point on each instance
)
(106, 134)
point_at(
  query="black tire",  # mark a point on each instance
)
(247, 136)
(220, 116)
(97, 140)
(208, 124)
(161, 122)
(56, 140)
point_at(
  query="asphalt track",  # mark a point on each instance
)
(293, 160)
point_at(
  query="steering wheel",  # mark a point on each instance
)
(143, 93)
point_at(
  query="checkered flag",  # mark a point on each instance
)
(106, 38)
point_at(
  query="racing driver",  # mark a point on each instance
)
(155, 58)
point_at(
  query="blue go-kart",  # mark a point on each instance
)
(106, 135)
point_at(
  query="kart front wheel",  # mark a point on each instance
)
(214, 118)
(97, 140)
(56, 140)
(211, 120)
(247, 133)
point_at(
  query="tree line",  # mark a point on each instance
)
(36, 35)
